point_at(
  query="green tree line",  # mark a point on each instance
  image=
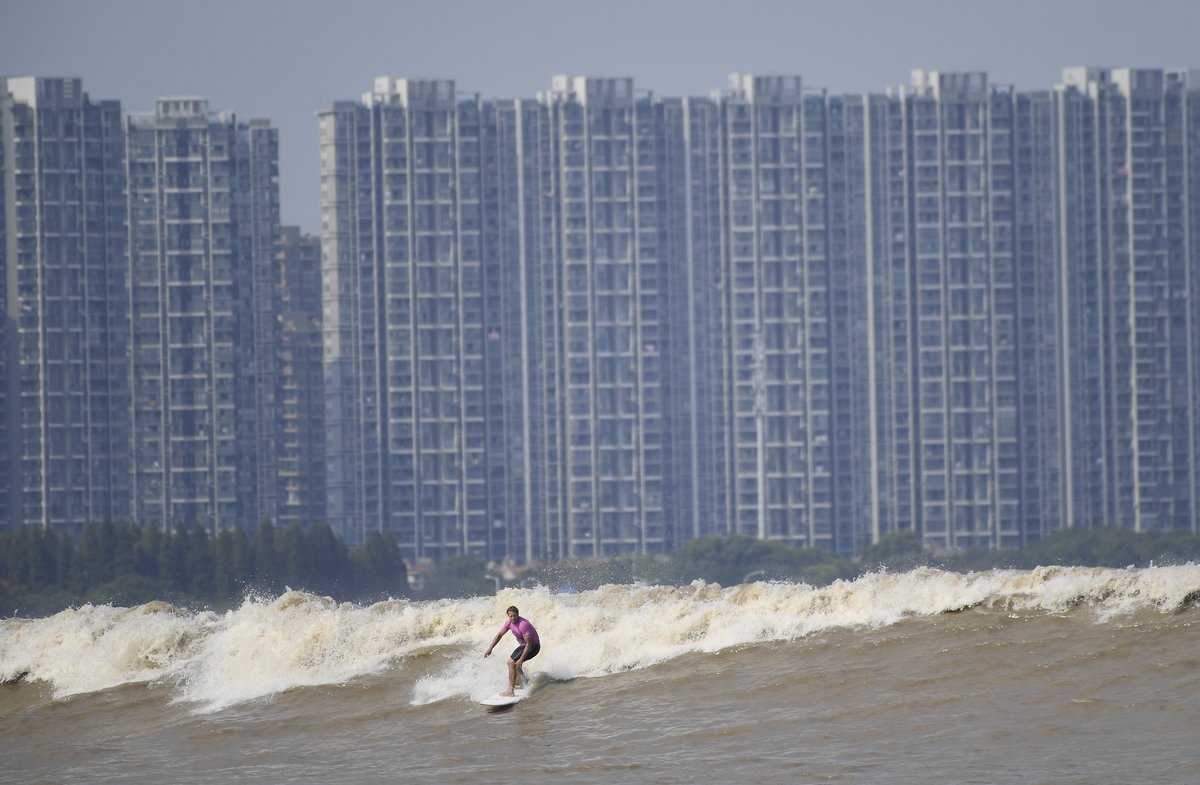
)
(733, 560)
(42, 571)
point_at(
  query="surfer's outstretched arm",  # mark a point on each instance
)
(495, 640)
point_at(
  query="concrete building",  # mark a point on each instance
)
(526, 329)
(700, 499)
(601, 322)
(762, 174)
(64, 383)
(963, 353)
(795, 185)
(496, 273)
(1039, 310)
(203, 219)
(1127, 149)
(300, 397)
(611, 234)
(404, 235)
(855, 263)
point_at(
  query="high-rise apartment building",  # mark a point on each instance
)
(794, 184)
(608, 182)
(698, 499)
(854, 261)
(299, 408)
(203, 220)
(496, 301)
(406, 229)
(1038, 310)
(64, 382)
(963, 348)
(257, 223)
(525, 326)
(809, 318)
(1127, 152)
(895, 503)
(761, 133)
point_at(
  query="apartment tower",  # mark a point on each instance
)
(203, 219)
(64, 382)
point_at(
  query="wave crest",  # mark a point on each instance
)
(269, 645)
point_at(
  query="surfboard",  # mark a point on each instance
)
(520, 694)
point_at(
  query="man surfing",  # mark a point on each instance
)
(529, 646)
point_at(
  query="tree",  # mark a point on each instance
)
(330, 561)
(723, 560)
(1111, 547)
(146, 552)
(172, 560)
(41, 555)
(978, 560)
(10, 596)
(580, 574)
(107, 557)
(296, 562)
(730, 560)
(381, 570)
(64, 550)
(240, 568)
(90, 566)
(127, 590)
(265, 570)
(124, 537)
(460, 576)
(898, 551)
(229, 566)
(198, 559)
(1175, 547)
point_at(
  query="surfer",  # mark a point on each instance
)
(529, 646)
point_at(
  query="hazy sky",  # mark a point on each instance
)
(282, 60)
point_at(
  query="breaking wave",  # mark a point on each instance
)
(270, 645)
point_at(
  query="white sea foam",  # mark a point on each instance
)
(267, 646)
(96, 647)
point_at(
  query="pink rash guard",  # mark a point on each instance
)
(523, 630)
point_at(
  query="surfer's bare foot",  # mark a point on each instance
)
(506, 694)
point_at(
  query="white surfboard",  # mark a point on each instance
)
(520, 694)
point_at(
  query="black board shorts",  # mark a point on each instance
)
(534, 648)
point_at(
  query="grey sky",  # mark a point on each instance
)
(281, 60)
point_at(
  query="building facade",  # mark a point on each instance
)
(776, 312)
(505, 263)
(964, 350)
(64, 382)
(405, 315)
(608, 181)
(698, 499)
(1127, 148)
(597, 321)
(300, 391)
(203, 219)
(527, 331)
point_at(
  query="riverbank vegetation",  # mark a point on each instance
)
(42, 572)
